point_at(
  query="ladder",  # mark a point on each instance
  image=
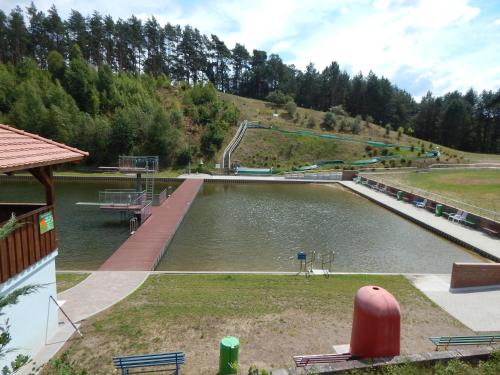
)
(151, 165)
(308, 262)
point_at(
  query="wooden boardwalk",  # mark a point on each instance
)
(143, 250)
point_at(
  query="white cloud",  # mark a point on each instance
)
(443, 44)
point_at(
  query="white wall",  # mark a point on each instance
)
(34, 319)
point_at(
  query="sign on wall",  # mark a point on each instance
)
(46, 221)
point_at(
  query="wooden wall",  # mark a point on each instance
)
(25, 246)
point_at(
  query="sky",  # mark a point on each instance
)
(420, 45)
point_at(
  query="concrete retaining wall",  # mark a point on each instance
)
(470, 275)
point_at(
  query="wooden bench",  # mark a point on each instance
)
(306, 360)
(464, 340)
(172, 361)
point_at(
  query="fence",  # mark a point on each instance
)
(158, 199)
(480, 211)
(122, 198)
(327, 176)
(146, 212)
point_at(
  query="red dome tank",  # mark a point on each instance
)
(376, 323)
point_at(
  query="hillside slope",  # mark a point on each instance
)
(268, 148)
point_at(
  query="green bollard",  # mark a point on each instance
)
(439, 210)
(228, 361)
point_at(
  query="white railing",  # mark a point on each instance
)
(122, 197)
(146, 212)
(327, 176)
(494, 215)
(139, 163)
(466, 166)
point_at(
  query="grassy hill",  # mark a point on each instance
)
(268, 148)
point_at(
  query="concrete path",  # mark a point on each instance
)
(480, 311)
(478, 241)
(257, 179)
(99, 291)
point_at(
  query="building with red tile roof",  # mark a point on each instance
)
(27, 255)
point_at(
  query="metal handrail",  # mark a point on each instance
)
(466, 166)
(122, 197)
(146, 212)
(158, 199)
(441, 198)
(314, 176)
(140, 163)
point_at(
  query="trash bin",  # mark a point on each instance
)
(399, 195)
(228, 361)
(439, 209)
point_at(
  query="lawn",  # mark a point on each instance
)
(477, 187)
(69, 280)
(274, 317)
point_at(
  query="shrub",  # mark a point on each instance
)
(387, 130)
(311, 123)
(278, 97)
(338, 110)
(328, 121)
(400, 132)
(356, 126)
(291, 108)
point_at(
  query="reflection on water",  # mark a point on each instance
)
(262, 227)
(87, 236)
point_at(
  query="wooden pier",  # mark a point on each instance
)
(144, 249)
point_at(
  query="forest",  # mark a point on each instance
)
(141, 55)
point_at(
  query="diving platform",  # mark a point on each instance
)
(143, 250)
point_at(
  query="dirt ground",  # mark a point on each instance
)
(267, 340)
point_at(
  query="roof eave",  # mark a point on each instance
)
(25, 167)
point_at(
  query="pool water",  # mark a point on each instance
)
(252, 227)
(263, 227)
(87, 235)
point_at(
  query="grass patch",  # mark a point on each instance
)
(274, 317)
(477, 187)
(69, 280)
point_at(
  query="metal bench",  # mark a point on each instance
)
(464, 340)
(172, 361)
(306, 360)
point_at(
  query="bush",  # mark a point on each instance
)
(400, 132)
(278, 97)
(291, 108)
(356, 126)
(343, 125)
(387, 130)
(328, 121)
(311, 123)
(338, 110)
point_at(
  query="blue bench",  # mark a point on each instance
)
(464, 340)
(172, 361)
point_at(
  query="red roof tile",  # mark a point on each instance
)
(22, 150)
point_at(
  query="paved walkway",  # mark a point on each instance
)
(96, 293)
(477, 241)
(257, 179)
(480, 311)
(143, 250)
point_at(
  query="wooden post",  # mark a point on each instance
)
(44, 176)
